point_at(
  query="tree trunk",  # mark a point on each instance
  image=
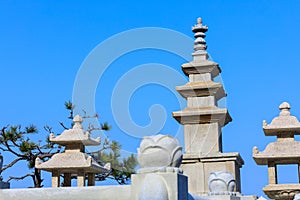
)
(37, 178)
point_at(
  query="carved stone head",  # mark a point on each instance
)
(159, 151)
(221, 182)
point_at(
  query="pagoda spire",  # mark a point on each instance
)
(200, 44)
(199, 29)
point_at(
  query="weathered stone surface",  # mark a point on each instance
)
(71, 162)
(284, 151)
(202, 89)
(234, 196)
(282, 191)
(202, 139)
(203, 119)
(74, 159)
(75, 135)
(200, 168)
(159, 177)
(152, 187)
(194, 102)
(224, 197)
(205, 66)
(159, 153)
(67, 193)
(169, 186)
(284, 125)
(221, 183)
(203, 115)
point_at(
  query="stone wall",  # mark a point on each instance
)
(67, 193)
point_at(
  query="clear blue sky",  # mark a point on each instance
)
(256, 43)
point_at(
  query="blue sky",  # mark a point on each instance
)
(44, 43)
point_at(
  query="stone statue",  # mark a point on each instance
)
(221, 183)
(159, 177)
(159, 153)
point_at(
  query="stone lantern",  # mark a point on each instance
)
(73, 161)
(284, 151)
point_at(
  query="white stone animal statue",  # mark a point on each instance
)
(159, 153)
(221, 183)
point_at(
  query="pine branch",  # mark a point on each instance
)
(62, 124)
(5, 143)
(11, 150)
(14, 142)
(11, 164)
(46, 155)
(39, 149)
(1, 148)
(102, 177)
(20, 178)
(48, 129)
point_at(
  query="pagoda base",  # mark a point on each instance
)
(198, 168)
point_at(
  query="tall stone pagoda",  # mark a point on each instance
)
(203, 120)
(284, 151)
(73, 161)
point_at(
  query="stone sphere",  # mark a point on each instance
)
(220, 182)
(159, 151)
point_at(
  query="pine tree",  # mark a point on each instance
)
(17, 141)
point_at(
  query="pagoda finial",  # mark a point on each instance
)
(199, 20)
(77, 122)
(199, 30)
(285, 109)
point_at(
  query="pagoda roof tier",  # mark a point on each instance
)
(75, 135)
(201, 67)
(202, 89)
(279, 152)
(203, 115)
(71, 162)
(284, 124)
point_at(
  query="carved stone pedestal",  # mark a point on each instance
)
(162, 185)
